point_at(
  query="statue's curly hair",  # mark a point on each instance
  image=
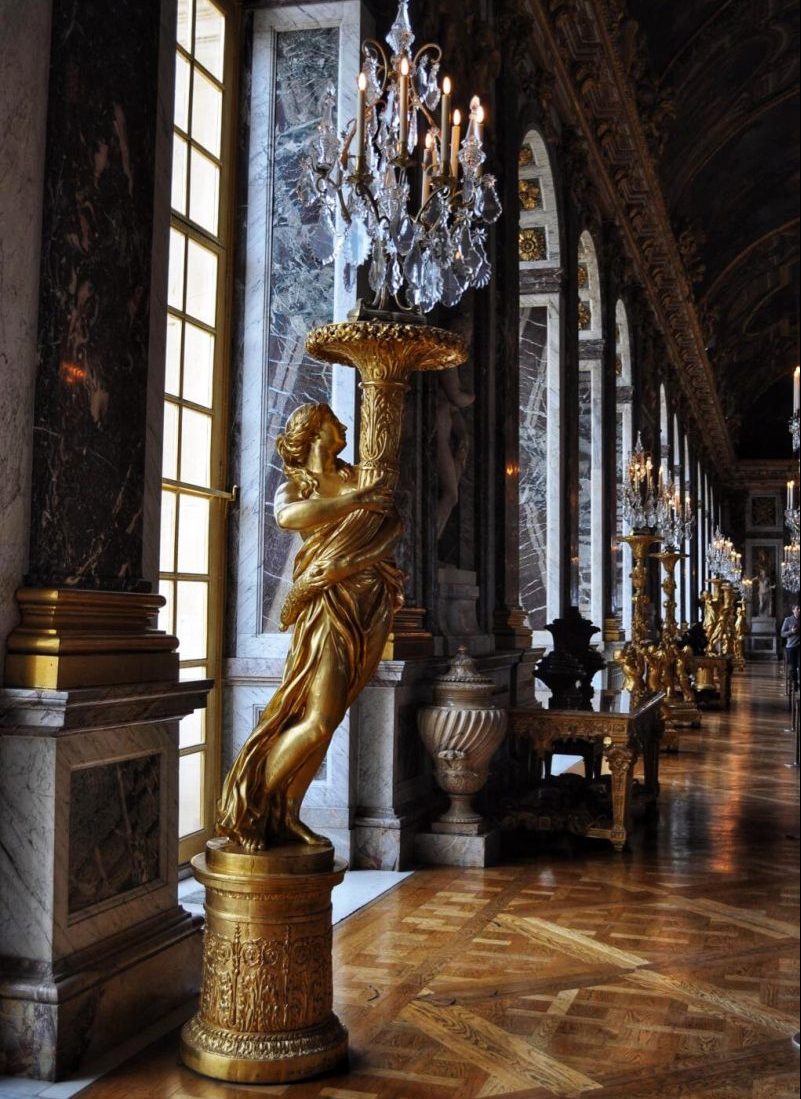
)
(293, 445)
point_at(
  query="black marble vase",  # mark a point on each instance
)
(568, 670)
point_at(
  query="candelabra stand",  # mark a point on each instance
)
(266, 998)
(740, 633)
(669, 662)
(632, 656)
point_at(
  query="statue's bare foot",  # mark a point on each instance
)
(252, 844)
(298, 830)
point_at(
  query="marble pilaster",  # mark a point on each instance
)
(25, 34)
(94, 300)
(91, 933)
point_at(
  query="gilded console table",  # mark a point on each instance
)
(622, 728)
(714, 673)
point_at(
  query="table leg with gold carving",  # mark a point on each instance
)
(621, 761)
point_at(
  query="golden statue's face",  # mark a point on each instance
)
(332, 435)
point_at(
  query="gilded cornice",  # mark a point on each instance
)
(580, 42)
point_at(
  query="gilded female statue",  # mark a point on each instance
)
(345, 592)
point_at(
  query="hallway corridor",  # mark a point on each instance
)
(669, 971)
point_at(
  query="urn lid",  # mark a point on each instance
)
(462, 684)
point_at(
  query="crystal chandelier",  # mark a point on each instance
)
(645, 505)
(401, 187)
(795, 420)
(678, 519)
(791, 579)
(723, 560)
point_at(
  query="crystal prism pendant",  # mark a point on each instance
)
(400, 35)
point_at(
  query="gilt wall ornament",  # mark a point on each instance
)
(533, 244)
(530, 193)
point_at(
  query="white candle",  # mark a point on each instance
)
(455, 136)
(796, 383)
(445, 120)
(403, 106)
(360, 112)
(427, 169)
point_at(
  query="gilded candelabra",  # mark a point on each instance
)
(667, 661)
(268, 881)
(631, 656)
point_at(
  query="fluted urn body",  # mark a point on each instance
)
(462, 730)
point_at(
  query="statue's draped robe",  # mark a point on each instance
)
(348, 613)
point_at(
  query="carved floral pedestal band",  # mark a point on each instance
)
(266, 997)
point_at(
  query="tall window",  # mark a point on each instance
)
(540, 456)
(193, 488)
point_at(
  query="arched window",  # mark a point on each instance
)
(688, 545)
(590, 422)
(540, 455)
(623, 446)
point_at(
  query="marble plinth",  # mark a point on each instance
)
(458, 849)
(762, 640)
(92, 937)
(457, 596)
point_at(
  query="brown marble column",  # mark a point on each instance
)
(96, 357)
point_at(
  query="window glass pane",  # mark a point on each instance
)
(198, 365)
(192, 729)
(210, 37)
(169, 462)
(204, 191)
(184, 29)
(195, 447)
(175, 285)
(181, 92)
(190, 793)
(172, 371)
(166, 619)
(178, 198)
(167, 554)
(201, 283)
(193, 534)
(190, 618)
(188, 674)
(206, 113)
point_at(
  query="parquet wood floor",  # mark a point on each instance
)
(670, 971)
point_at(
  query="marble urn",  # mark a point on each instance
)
(461, 731)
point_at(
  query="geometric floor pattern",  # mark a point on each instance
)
(669, 971)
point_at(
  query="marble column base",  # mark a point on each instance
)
(92, 939)
(384, 842)
(449, 849)
(762, 642)
(57, 1019)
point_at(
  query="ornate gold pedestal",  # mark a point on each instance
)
(266, 998)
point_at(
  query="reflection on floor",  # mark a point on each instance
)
(669, 971)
